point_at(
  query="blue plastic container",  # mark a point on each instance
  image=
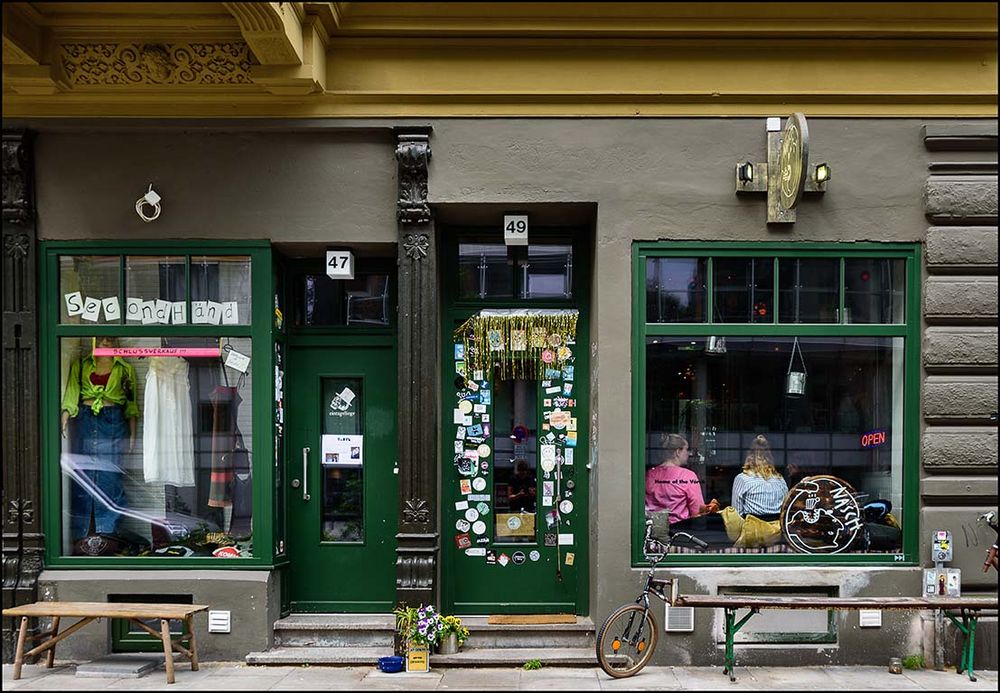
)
(391, 665)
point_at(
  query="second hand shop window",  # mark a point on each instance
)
(156, 431)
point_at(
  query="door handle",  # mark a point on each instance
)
(305, 474)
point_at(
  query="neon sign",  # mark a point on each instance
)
(873, 439)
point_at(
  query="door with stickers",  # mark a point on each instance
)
(514, 475)
(342, 485)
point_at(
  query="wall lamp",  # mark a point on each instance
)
(787, 173)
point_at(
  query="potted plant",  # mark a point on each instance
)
(406, 616)
(419, 629)
(452, 636)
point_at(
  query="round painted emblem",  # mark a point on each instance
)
(555, 339)
(548, 356)
(517, 557)
(534, 555)
(479, 527)
(471, 514)
(566, 507)
(462, 525)
(793, 160)
(484, 450)
(821, 514)
(479, 483)
(465, 406)
(513, 523)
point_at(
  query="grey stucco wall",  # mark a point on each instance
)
(252, 597)
(284, 186)
(647, 179)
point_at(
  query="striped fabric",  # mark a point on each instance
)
(756, 496)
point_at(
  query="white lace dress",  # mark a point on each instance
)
(167, 436)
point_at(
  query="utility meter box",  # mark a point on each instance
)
(942, 582)
(941, 548)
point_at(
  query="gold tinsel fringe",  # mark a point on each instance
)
(526, 330)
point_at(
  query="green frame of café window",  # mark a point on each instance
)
(909, 330)
(260, 331)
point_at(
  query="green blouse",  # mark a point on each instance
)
(120, 389)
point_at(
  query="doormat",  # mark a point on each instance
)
(529, 619)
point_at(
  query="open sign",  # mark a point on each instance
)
(873, 439)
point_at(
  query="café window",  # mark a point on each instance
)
(774, 394)
(153, 386)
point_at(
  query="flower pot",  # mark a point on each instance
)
(448, 644)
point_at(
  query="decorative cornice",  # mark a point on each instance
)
(272, 29)
(413, 151)
(16, 180)
(155, 64)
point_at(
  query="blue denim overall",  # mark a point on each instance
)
(101, 437)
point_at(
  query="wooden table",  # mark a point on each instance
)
(968, 609)
(89, 611)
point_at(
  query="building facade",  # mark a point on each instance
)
(426, 293)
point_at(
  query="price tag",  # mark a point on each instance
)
(515, 229)
(237, 361)
(340, 264)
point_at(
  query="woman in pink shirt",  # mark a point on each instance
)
(671, 486)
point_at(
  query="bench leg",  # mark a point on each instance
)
(50, 656)
(22, 635)
(193, 644)
(970, 646)
(168, 649)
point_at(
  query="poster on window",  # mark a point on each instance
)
(343, 451)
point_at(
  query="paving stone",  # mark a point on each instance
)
(855, 678)
(123, 666)
(464, 679)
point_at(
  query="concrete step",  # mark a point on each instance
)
(478, 657)
(376, 630)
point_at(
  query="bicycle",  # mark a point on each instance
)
(628, 637)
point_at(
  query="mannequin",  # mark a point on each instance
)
(100, 396)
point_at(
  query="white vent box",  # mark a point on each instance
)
(219, 621)
(679, 619)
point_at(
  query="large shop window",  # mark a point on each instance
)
(155, 405)
(772, 396)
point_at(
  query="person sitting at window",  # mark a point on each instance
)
(671, 487)
(522, 489)
(759, 489)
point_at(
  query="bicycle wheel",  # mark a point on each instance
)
(626, 641)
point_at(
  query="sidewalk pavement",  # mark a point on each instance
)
(220, 676)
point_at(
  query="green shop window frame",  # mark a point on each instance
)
(908, 330)
(260, 331)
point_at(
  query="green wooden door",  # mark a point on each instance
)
(343, 489)
(515, 516)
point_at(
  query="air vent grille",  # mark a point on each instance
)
(679, 619)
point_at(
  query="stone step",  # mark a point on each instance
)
(376, 630)
(479, 657)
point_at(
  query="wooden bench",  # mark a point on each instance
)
(968, 609)
(89, 611)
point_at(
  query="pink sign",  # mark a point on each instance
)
(139, 352)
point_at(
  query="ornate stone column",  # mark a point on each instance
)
(417, 540)
(22, 536)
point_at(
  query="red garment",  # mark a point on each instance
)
(673, 488)
(99, 379)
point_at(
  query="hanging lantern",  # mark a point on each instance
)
(795, 381)
(715, 345)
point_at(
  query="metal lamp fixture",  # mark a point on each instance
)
(795, 381)
(744, 171)
(822, 173)
(715, 345)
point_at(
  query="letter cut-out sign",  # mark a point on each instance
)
(340, 264)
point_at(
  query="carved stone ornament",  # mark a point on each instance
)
(415, 245)
(124, 64)
(15, 181)
(413, 152)
(16, 245)
(20, 508)
(416, 511)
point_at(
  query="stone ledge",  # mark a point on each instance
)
(958, 247)
(970, 398)
(960, 298)
(953, 348)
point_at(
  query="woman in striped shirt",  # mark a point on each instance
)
(759, 489)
